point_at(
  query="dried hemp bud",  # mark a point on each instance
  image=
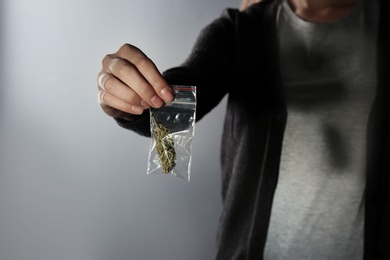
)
(164, 146)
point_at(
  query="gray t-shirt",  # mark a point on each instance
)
(329, 78)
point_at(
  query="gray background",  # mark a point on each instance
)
(73, 184)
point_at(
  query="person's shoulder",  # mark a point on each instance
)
(238, 22)
(253, 12)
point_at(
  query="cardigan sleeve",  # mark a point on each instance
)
(210, 66)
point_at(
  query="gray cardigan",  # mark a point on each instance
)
(236, 55)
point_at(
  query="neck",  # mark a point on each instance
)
(322, 11)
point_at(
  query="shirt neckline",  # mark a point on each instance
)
(302, 22)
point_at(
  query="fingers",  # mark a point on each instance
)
(113, 106)
(114, 94)
(132, 67)
(148, 70)
(130, 76)
(117, 88)
(101, 79)
(129, 82)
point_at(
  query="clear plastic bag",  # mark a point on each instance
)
(172, 130)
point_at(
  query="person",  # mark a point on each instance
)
(305, 150)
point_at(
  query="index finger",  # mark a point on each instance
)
(148, 70)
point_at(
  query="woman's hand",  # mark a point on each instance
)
(129, 83)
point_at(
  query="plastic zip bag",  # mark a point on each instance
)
(172, 130)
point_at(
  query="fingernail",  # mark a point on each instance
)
(156, 101)
(144, 104)
(166, 94)
(137, 110)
